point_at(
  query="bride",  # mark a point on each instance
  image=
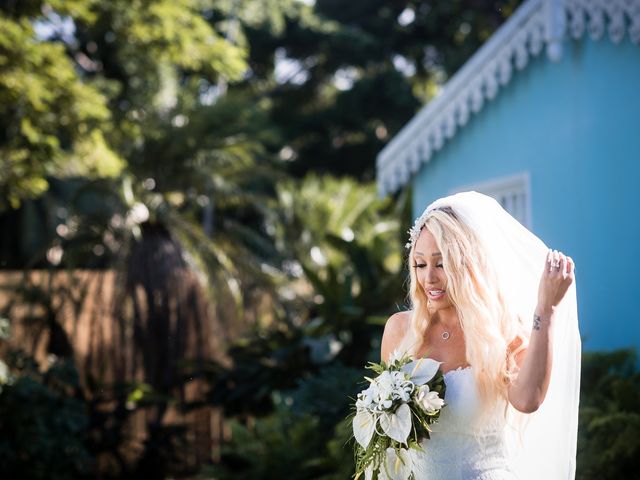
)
(498, 309)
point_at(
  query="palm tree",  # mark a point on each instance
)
(175, 281)
(289, 384)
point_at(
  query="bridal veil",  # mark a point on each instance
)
(542, 444)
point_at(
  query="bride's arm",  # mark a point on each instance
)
(528, 390)
(394, 331)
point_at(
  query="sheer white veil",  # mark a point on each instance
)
(544, 445)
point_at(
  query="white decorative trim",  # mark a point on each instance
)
(594, 14)
(512, 192)
(534, 25)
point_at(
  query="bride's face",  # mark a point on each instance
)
(427, 262)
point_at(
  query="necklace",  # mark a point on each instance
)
(445, 335)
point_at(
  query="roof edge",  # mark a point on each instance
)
(534, 25)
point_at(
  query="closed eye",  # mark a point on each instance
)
(422, 265)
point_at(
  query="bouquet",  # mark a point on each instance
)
(393, 416)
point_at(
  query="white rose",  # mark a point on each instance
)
(429, 401)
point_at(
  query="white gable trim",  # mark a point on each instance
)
(536, 23)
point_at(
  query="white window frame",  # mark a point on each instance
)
(512, 192)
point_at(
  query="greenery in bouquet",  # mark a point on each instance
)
(393, 416)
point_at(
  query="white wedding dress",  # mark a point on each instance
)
(460, 449)
(538, 446)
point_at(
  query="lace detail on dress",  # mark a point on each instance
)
(456, 371)
(460, 449)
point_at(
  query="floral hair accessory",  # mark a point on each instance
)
(414, 232)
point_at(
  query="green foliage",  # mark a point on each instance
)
(326, 395)
(609, 428)
(348, 243)
(81, 102)
(274, 447)
(79, 9)
(142, 69)
(44, 426)
(338, 460)
(306, 437)
(343, 78)
(51, 121)
(175, 30)
(262, 364)
(341, 247)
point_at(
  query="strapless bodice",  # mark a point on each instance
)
(464, 446)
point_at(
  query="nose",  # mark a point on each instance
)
(431, 276)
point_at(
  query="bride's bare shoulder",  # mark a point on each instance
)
(394, 330)
(398, 321)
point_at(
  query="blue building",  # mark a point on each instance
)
(545, 117)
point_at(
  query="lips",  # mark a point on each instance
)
(435, 294)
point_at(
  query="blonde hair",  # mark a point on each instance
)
(473, 288)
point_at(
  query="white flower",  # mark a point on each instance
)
(422, 371)
(414, 231)
(398, 464)
(364, 425)
(384, 409)
(384, 389)
(395, 356)
(397, 425)
(382, 475)
(365, 398)
(368, 473)
(387, 388)
(429, 401)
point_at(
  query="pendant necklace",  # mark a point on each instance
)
(445, 335)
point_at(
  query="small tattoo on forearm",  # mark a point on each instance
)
(536, 322)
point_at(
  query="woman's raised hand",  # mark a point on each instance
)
(556, 278)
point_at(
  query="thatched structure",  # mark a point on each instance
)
(147, 328)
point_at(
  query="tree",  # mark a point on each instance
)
(145, 63)
(343, 79)
(289, 383)
(42, 414)
(79, 81)
(52, 123)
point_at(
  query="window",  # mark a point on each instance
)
(513, 193)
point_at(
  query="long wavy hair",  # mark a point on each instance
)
(474, 290)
